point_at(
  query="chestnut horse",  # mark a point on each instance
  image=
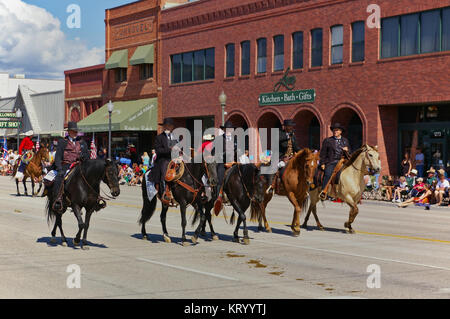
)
(34, 170)
(297, 178)
(351, 184)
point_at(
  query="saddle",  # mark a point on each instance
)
(174, 171)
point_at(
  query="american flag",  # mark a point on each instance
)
(93, 148)
(37, 144)
(5, 149)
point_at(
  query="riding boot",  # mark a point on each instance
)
(324, 192)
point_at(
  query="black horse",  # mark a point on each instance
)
(188, 194)
(244, 187)
(82, 190)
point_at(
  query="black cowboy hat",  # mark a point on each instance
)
(72, 126)
(227, 124)
(289, 122)
(337, 126)
(168, 121)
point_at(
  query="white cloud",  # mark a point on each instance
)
(31, 42)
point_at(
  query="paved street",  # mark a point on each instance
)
(411, 247)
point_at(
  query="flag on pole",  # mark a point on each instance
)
(93, 148)
(5, 149)
(37, 144)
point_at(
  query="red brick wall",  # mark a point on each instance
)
(361, 87)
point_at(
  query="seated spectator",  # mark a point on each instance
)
(431, 176)
(441, 189)
(418, 189)
(388, 185)
(401, 186)
(422, 200)
(411, 179)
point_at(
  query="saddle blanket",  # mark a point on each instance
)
(151, 190)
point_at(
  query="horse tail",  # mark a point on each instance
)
(306, 201)
(50, 214)
(149, 206)
(255, 211)
(233, 217)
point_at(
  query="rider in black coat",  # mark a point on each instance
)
(286, 135)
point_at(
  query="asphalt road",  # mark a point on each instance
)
(396, 253)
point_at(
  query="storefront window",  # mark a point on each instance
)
(262, 55)
(409, 35)
(316, 47)
(245, 58)
(358, 41)
(297, 55)
(337, 44)
(278, 53)
(230, 59)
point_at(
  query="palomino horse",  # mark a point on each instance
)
(34, 170)
(297, 178)
(351, 184)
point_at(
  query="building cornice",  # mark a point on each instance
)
(256, 7)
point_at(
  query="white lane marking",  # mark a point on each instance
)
(356, 255)
(188, 269)
(444, 291)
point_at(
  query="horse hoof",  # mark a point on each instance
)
(350, 231)
(321, 228)
(75, 243)
(246, 241)
(64, 244)
(203, 234)
(305, 226)
(185, 244)
(167, 239)
(53, 240)
(269, 230)
(235, 239)
(85, 247)
(144, 237)
(194, 240)
(295, 233)
(215, 237)
(260, 229)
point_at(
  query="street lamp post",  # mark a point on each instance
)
(19, 118)
(110, 110)
(223, 103)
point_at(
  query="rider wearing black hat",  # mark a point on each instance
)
(333, 148)
(288, 142)
(69, 150)
(164, 144)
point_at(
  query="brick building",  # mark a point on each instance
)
(129, 78)
(389, 86)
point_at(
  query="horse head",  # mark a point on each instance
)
(210, 169)
(43, 154)
(307, 162)
(372, 159)
(111, 177)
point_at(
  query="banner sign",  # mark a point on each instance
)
(5, 124)
(290, 97)
(4, 115)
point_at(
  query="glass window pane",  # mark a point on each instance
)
(336, 54)
(409, 34)
(358, 41)
(262, 55)
(278, 42)
(176, 68)
(199, 65)
(316, 47)
(446, 29)
(187, 67)
(390, 29)
(209, 64)
(430, 30)
(297, 58)
(230, 59)
(337, 35)
(245, 58)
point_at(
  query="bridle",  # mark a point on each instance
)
(366, 156)
(99, 197)
(251, 198)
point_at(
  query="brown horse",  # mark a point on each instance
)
(297, 178)
(34, 170)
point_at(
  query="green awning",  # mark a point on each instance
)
(119, 59)
(137, 115)
(143, 54)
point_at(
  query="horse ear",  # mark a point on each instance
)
(376, 148)
(258, 165)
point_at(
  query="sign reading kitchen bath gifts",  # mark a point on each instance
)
(289, 97)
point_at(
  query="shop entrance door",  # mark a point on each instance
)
(437, 152)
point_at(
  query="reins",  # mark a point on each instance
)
(98, 194)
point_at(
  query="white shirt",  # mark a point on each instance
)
(244, 159)
(443, 184)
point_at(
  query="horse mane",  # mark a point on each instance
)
(300, 157)
(355, 155)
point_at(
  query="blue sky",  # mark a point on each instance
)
(92, 30)
(36, 41)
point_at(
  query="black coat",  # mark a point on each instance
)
(62, 143)
(221, 153)
(284, 139)
(329, 150)
(163, 157)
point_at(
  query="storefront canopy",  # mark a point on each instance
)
(144, 54)
(119, 59)
(137, 115)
